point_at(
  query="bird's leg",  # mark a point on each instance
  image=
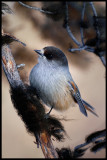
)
(47, 114)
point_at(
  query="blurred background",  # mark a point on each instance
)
(38, 30)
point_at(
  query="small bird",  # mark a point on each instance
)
(53, 82)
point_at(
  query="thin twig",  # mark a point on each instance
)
(35, 8)
(7, 38)
(80, 46)
(93, 8)
(68, 28)
(96, 26)
(87, 48)
(81, 28)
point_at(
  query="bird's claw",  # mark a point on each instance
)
(46, 116)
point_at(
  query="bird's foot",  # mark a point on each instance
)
(46, 116)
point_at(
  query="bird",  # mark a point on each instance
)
(53, 82)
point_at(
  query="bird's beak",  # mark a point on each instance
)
(40, 52)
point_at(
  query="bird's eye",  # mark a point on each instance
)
(49, 56)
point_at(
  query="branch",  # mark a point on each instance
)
(11, 72)
(80, 46)
(81, 28)
(35, 8)
(68, 28)
(95, 142)
(6, 8)
(96, 24)
(10, 68)
(96, 48)
(7, 38)
(47, 146)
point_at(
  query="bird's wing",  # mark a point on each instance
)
(77, 97)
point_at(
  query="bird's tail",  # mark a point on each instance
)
(89, 108)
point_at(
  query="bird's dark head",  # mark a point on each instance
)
(52, 55)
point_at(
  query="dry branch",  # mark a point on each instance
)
(11, 72)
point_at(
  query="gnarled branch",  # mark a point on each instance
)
(11, 72)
